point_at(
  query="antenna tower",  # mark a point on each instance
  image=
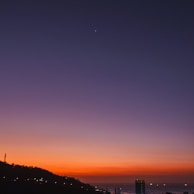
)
(5, 157)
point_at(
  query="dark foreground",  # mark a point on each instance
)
(29, 180)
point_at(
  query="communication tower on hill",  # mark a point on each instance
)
(5, 157)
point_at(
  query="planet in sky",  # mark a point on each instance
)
(99, 90)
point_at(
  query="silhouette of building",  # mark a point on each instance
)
(117, 190)
(140, 186)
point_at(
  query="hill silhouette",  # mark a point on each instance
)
(32, 180)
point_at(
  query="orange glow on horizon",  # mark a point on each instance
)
(121, 171)
(81, 166)
(81, 159)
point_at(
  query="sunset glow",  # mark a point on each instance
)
(99, 91)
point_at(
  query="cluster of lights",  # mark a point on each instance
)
(16, 179)
(157, 185)
(98, 190)
(42, 181)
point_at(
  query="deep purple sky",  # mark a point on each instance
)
(114, 73)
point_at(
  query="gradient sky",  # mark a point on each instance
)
(101, 90)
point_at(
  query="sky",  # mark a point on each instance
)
(101, 90)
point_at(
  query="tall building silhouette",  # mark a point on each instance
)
(117, 190)
(140, 186)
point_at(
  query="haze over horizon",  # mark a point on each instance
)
(99, 90)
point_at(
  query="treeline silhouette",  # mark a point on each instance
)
(32, 180)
